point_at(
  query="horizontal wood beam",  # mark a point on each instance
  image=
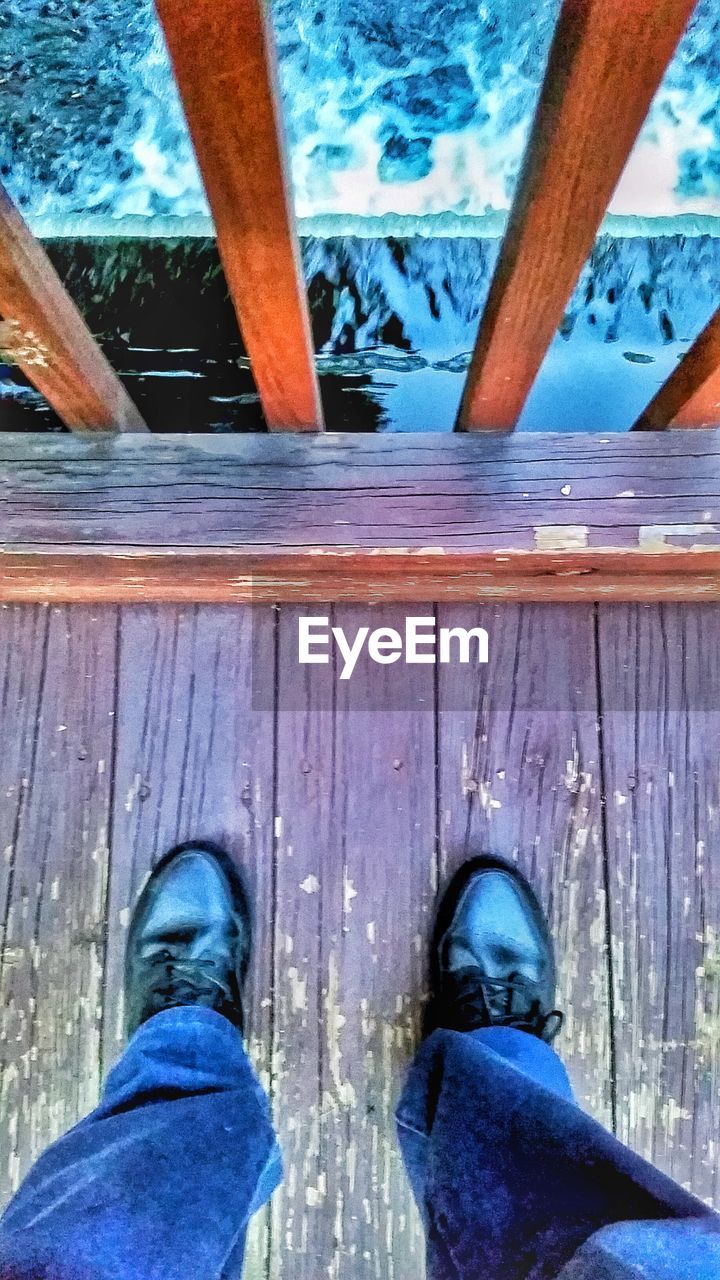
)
(408, 518)
(224, 61)
(225, 578)
(42, 331)
(691, 396)
(606, 62)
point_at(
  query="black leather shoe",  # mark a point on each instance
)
(492, 961)
(189, 937)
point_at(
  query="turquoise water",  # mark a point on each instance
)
(406, 123)
(394, 322)
(415, 108)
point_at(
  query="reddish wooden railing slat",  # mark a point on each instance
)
(606, 62)
(224, 61)
(691, 395)
(42, 331)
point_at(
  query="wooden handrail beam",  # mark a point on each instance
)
(691, 396)
(410, 518)
(606, 62)
(42, 331)
(224, 63)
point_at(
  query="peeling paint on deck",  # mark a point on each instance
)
(345, 860)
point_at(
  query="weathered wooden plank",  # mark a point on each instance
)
(224, 62)
(395, 518)
(356, 799)
(57, 719)
(355, 884)
(661, 723)
(606, 61)
(194, 759)
(691, 395)
(42, 331)
(23, 640)
(551, 449)
(561, 578)
(520, 776)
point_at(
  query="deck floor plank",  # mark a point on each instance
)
(60, 695)
(194, 761)
(350, 803)
(356, 881)
(661, 718)
(520, 777)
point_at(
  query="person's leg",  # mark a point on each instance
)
(511, 1177)
(527, 1054)
(532, 1056)
(160, 1181)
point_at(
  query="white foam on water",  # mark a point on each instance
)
(345, 93)
(488, 226)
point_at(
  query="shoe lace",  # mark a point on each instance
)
(476, 1000)
(180, 981)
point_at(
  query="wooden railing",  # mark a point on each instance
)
(224, 62)
(43, 332)
(369, 517)
(606, 62)
(691, 396)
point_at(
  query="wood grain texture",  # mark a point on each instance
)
(691, 395)
(519, 759)
(606, 61)
(195, 759)
(224, 63)
(213, 579)
(386, 518)
(349, 805)
(661, 723)
(42, 331)
(355, 885)
(58, 730)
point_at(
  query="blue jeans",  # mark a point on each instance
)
(515, 1182)
(161, 1180)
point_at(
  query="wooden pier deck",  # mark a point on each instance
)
(588, 748)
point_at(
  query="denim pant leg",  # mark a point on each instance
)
(511, 1177)
(160, 1181)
